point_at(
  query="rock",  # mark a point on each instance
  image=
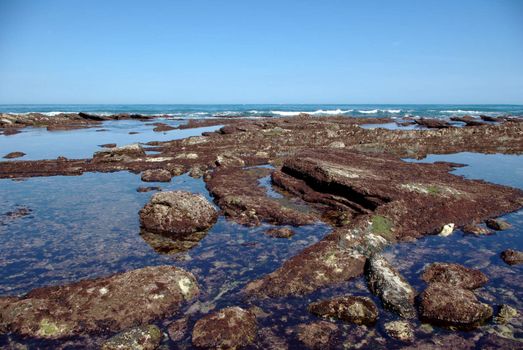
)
(13, 155)
(108, 145)
(476, 230)
(448, 305)
(498, 224)
(119, 154)
(196, 172)
(148, 189)
(447, 230)
(224, 160)
(280, 232)
(176, 169)
(512, 257)
(358, 310)
(336, 144)
(505, 314)
(229, 328)
(109, 304)
(395, 292)
(454, 274)
(156, 175)
(137, 338)
(178, 329)
(400, 330)
(432, 123)
(172, 244)
(317, 335)
(163, 127)
(177, 212)
(187, 156)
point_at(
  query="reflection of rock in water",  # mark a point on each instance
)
(172, 244)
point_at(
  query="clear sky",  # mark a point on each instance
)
(192, 51)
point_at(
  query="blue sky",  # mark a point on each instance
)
(160, 51)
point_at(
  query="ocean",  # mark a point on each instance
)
(274, 110)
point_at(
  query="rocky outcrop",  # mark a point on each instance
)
(476, 230)
(432, 123)
(229, 328)
(119, 154)
(156, 175)
(137, 338)
(455, 275)
(498, 224)
(394, 291)
(13, 155)
(353, 309)
(448, 305)
(512, 257)
(105, 304)
(400, 330)
(177, 212)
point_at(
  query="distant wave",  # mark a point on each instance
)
(460, 111)
(376, 111)
(318, 112)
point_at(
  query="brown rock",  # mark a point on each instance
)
(148, 189)
(512, 257)
(177, 212)
(432, 123)
(448, 305)
(229, 328)
(498, 224)
(108, 145)
(143, 338)
(178, 329)
(156, 175)
(13, 155)
(317, 335)
(119, 154)
(280, 232)
(454, 274)
(476, 230)
(105, 304)
(358, 310)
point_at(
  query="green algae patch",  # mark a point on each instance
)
(382, 226)
(50, 329)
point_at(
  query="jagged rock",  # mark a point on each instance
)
(106, 304)
(476, 230)
(454, 274)
(137, 338)
(395, 292)
(229, 328)
(13, 155)
(400, 330)
(354, 309)
(280, 232)
(177, 212)
(512, 257)
(498, 224)
(505, 314)
(317, 335)
(448, 305)
(119, 154)
(156, 175)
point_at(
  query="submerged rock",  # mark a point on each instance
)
(280, 232)
(108, 145)
(454, 274)
(432, 123)
(14, 155)
(476, 230)
(400, 330)
(142, 189)
(105, 304)
(505, 314)
(119, 154)
(172, 244)
(498, 224)
(229, 328)
(354, 309)
(395, 292)
(156, 175)
(448, 305)
(512, 257)
(177, 212)
(178, 329)
(137, 338)
(317, 335)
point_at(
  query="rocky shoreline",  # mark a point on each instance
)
(325, 169)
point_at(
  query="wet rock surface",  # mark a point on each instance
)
(317, 335)
(512, 257)
(177, 212)
(400, 330)
(448, 305)
(358, 310)
(498, 224)
(283, 232)
(138, 338)
(229, 328)
(455, 275)
(119, 154)
(106, 304)
(156, 175)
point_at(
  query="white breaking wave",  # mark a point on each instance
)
(375, 111)
(460, 111)
(370, 111)
(318, 112)
(393, 110)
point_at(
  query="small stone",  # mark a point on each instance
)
(138, 338)
(354, 309)
(229, 328)
(176, 169)
(498, 224)
(505, 314)
(282, 232)
(476, 230)
(13, 155)
(447, 230)
(400, 330)
(227, 160)
(156, 175)
(337, 144)
(512, 257)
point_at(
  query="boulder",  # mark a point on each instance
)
(178, 329)
(137, 338)
(280, 232)
(177, 212)
(454, 274)
(354, 309)
(387, 283)
(224, 160)
(13, 155)
(317, 335)
(119, 154)
(400, 330)
(229, 328)
(448, 305)
(432, 123)
(498, 224)
(476, 230)
(512, 257)
(156, 175)
(109, 304)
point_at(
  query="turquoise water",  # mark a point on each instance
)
(253, 110)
